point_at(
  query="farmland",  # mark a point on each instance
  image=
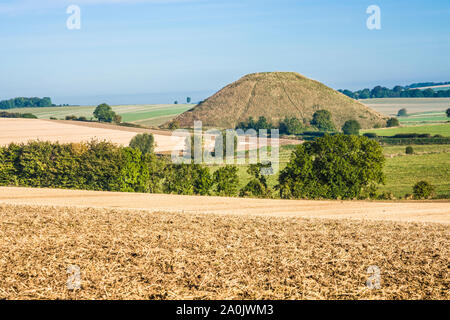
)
(135, 254)
(146, 115)
(433, 129)
(390, 106)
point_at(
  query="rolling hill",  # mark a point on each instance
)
(276, 95)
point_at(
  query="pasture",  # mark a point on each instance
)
(433, 129)
(146, 115)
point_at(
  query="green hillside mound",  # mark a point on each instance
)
(276, 95)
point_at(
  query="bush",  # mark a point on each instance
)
(144, 142)
(423, 190)
(72, 117)
(409, 150)
(4, 114)
(290, 126)
(351, 127)
(226, 180)
(392, 122)
(187, 179)
(257, 186)
(174, 125)
(402, 113)
(448, 112)
(322, 120)
(333, 167)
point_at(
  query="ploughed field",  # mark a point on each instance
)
(138, 254)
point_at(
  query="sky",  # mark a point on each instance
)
(158, 51)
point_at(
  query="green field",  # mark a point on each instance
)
(430, 163)
(442, 129)
(147, 115)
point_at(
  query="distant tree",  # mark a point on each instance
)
(117, 118)
(402, 112)
(351, 127)
(291, 126)
(392, 122)
(423, 190)
(322, 120)
(104, 113)
(448, 113)
(175, 102)
(428, 93)
(409, 150)
(226, 180)
(188, 100)
(145, 142)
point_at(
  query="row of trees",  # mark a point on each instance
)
(26, 103)
(396, 92)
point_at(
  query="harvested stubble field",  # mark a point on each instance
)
(134, 254)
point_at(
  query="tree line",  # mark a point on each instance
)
(26, 103)
(396, 92)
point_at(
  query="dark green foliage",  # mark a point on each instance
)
(392, 122)
(407, 141)
(4, 114)
(145, 142)
(257, 186)
(291, 126)
(26, 103)
(423, 190)
(402, 113)
(322, 120)
(448, 112)
(262, 123)
(410, 91)
(104, 113)
(351, 127)
(226, 180)
(409, 150)
(91, 166)
(187, 179)
(333, 167)
(188, 100)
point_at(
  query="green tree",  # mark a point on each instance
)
(145, 142)
(188, 100)
(187, 179)
(351, 127)
(226, 180)
(448, 113)
(322, 120)
(333, 167)
(290, 126)
(423, 190)
(392, 122)
(257, 186)
(409, 150)
(104, 113)
(402, 112)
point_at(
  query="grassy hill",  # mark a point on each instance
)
(276, 95)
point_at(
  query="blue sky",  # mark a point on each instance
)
(147, 51)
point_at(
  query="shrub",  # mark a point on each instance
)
(402, 113)
(187, 179)
(71, 117)
(409, 150)
(386, 196)
(448, 112)
(290, 126)
(392, 122)
(333, 167)
(144, 142)
(351, 127)
(4, 114)
(257, 186)
(423, 190)
(322, 120)
(226, 180)
(174, 125)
